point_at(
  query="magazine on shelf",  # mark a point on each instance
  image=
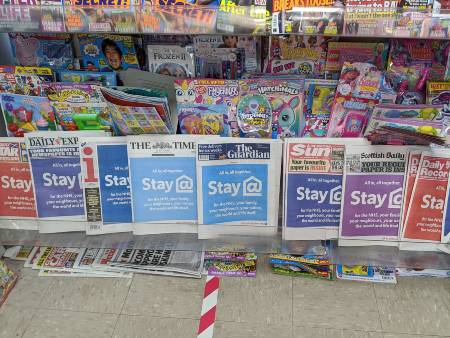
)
(163, 183)
(56, 173)
(238, 185)
(423, 225)
(17, 206)
(106, 184)
(363, 273)
(313, 171)
(372, 196)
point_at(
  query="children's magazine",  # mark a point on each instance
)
(372, 196)
(238, 186)
(106, 184)
(171, 60)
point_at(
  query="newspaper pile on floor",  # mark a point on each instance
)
(108, 263)
(230, 264)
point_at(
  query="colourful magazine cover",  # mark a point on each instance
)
(424, 220)
(106, 184)
(341, 52)
(313, 172)
(24, 114)
(270, 108)
(108, 52)
(221, 268)
(373, 193)
(17, 198)
(203, 119)
(317, 109)
(210, 92)
(171, 60)
(56, 171)
(43, 50)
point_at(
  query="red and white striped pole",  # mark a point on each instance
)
(208, 315)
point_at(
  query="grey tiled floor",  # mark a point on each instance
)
(268, 306)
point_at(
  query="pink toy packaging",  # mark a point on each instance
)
(357, 93)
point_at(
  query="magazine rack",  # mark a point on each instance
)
(350, 255)
(254, 20)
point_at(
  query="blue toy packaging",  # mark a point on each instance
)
(108, 79)
(107, 52)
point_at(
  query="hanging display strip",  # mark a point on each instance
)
(254, 18)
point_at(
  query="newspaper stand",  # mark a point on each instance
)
(232, 19)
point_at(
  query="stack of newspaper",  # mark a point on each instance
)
(94, 262)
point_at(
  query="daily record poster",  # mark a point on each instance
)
(16, 198)
(56, 172)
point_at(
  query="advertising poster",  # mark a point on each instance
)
(313, 172)
(373, 195)
(238, 185)
(56, 172)
(163, 183)
(17, 209)
(423, 224)
(106, 184)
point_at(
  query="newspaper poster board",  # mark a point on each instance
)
(238, 184)
(423, 224)
(313, 171)
(106, 184)
(163, 183)
(55, 166)
(17, 207)
(374, 179)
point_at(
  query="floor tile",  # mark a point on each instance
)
(337, 305)
(415, 306)
(14, 320)
(246, 330)
(311, 332)
(155, 327)
(265, 299)
(68, 324)
(163, 296)
(105, 295)
(29, 289)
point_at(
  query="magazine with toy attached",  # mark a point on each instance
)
(171, 60)
(423, 225)
(106, 184)
(55, 166)
(17, 208)
(163, 183)
(24, 114)
(313, 171)
(43, 50)
(374, 179)
(203, 119)
(238, 184)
